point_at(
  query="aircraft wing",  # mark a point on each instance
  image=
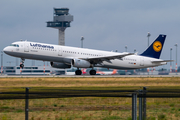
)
(162, 61)
(99, 60)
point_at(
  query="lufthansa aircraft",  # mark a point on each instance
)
(65, 57)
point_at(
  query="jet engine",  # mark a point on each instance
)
(59, 65)
(81, 63)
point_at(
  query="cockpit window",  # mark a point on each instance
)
(15, 45)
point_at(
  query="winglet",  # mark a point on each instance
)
(154, 50)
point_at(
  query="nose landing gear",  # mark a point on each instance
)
(22, 63)
(21, 66)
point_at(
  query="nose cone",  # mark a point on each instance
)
(6, 50)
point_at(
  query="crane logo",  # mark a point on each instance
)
(157, 46)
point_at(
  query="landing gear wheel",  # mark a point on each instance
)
(92, 72)
(21, 66)
(22, 63)
(78, 72)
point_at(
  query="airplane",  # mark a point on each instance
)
(66, 57)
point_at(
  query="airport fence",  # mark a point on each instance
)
(134, 92)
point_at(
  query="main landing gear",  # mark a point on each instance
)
(78, 72)
(92, 72)
(22, 63)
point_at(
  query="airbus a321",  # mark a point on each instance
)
(66, 57)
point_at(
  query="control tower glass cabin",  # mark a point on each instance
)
(61, 21)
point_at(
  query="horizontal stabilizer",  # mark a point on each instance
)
(162, 61)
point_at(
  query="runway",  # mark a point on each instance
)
(86, 76)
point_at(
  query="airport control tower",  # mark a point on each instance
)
(61, 21)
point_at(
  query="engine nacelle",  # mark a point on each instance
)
(59, 65)
(80, 63)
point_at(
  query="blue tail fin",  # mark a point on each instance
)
(154, 50)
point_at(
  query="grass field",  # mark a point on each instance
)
(89, 108)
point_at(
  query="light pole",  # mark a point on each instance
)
(126, 51)
(44, 67)
(176, 57)
(170, 59)
(82, 38)
(1, 62)
(126, 48)
(148, 37)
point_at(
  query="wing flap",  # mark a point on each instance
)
(106, 58)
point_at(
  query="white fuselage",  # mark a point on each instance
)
(65, 54)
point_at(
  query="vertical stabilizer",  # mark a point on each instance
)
(154, 50)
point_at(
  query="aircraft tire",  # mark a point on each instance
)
(21, 66)
(92, 72)
(78, 72)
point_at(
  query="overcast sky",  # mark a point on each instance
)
(105, 24)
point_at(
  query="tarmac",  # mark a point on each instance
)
(87, 76)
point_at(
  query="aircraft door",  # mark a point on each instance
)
(26, 47)
(59, 51)
(142, 61)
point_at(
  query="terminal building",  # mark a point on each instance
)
(32, 70)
